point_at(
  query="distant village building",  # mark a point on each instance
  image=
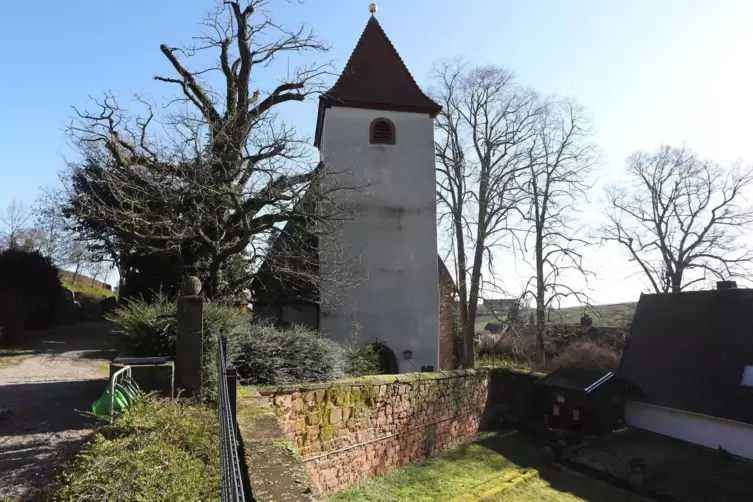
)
(502, 308)
(378, 124)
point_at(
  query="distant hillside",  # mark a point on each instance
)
(616, 315)
(84, 284)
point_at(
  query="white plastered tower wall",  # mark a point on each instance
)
(394, 237)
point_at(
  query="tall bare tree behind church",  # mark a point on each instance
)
(559, 161)
(212, 173)
(486, 122)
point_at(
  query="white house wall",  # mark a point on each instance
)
(396, 234)
(712, 432)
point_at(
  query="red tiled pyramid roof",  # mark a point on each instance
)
(376, 77)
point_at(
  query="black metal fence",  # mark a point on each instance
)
(230, 463)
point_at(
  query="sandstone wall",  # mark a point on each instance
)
(446, 319)
(353, 429)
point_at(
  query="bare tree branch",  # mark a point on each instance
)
(679, 213)
(487, 119)
(220, 175)
(559, 160)
(14, 224)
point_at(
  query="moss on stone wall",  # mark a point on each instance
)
(348, 429)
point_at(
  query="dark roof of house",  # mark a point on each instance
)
(688, 351)
(576, 379)
(375, 77)
(497, 327)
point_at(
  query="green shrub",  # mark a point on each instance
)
(361, 360)
(220, 319)
(147, 334)
(86, 298)
(266, 355)
(262, 353)
(159, 450)
(144, 331)
(33, 281)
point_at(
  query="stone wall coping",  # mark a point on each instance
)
(275, 470)
(370, 381)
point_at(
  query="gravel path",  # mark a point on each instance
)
(44, 386)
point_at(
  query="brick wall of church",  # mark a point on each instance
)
(446, 319)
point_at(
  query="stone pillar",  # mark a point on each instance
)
(188, 345)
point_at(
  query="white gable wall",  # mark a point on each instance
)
(704, 430)
(396, 234)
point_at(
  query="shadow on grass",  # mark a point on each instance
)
(480, 467)
(524, 452)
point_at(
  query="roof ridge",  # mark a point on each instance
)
(374, 20)
(375, 77)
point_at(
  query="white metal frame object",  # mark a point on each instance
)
(113, 381)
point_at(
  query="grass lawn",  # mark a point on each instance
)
(83, 285)
(492, 467)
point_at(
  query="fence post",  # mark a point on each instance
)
(232, 381)
(188, 345)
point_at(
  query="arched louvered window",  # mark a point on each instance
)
(382, 132)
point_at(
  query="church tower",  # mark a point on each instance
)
(376, 123)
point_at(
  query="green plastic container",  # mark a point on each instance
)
(102, 405)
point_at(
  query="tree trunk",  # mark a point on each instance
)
(677, 282)
(540, 303)
(466, 320)
(214, 275)
(473, 300)
(75, 273)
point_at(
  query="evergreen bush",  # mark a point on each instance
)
(33, 281)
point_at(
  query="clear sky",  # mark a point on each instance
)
(648, 71)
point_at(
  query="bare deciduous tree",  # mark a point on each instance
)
(678, 213)
(487, 120)
(14, 224)
(54, 237)
(51, 227)
(559, 160)
(222, 173)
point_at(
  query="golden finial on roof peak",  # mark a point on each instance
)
(373, 8)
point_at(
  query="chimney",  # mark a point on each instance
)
(724, 285)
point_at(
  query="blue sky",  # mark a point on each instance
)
(648, 71)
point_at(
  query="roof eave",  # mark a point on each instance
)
(327, 102)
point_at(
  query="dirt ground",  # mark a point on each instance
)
(45, 385)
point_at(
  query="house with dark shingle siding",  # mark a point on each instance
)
(691, 354)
